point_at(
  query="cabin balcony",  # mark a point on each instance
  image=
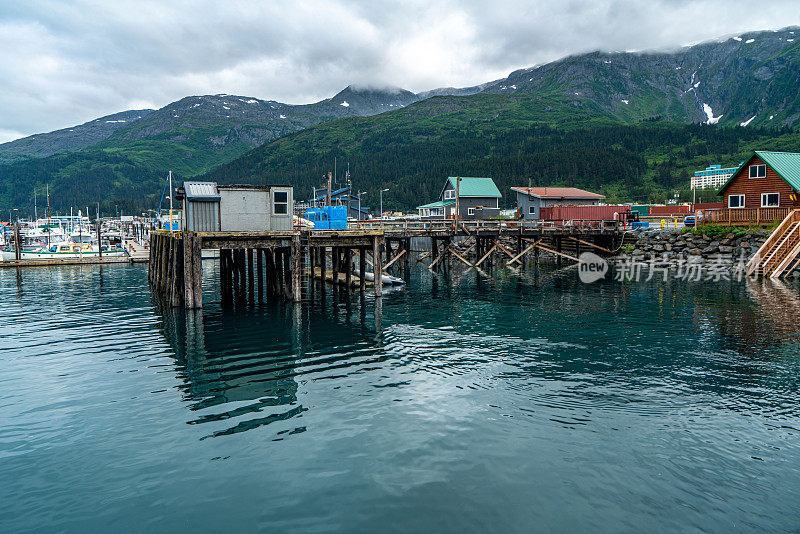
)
(742, 216)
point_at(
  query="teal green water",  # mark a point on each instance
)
(468, 403)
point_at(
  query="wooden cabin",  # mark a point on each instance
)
(764, 180)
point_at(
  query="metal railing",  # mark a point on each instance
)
(473, 226)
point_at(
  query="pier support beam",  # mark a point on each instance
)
(297, 290)
(193, 271)
(377, 267)
(260, 274)
(348, 267)
(250, 274)
(362, 269)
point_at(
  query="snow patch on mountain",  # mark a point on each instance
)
(345, 103)
(748, 121)
(710, 114)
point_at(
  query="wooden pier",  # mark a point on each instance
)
(284, 264)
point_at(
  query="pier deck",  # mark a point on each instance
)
(285, 263)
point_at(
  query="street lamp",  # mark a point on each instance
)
(359, 203)
(382, 191)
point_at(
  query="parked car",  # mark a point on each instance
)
(689, 221)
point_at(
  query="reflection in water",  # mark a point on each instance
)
(501, 401)
(249, 360)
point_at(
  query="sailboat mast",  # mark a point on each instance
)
(170, 199)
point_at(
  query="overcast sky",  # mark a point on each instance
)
(67, 62)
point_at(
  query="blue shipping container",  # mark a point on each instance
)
(328, 217)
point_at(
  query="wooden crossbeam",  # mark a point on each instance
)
(590, 244)
(441, 255)
(470, 248)
(419, 260)
(485, 255)
(518, 256)
(460, 257)
(394, 259)
(556, 252)
(504, 249)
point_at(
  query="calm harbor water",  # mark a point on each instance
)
(468, 403)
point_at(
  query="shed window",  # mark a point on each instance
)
(280, 202)
(736, 201)
(449, 194)
(758, 171)
(531, 210)
(770, 200)
(470, 211)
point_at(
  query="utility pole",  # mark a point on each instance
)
(329, 189)
(170, 200)
(382, 191)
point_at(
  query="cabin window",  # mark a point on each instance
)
(770, 200)
(736, 201)
(531, 210)
(280, 202)
(758, 171)
(470, 211)
(449, 194)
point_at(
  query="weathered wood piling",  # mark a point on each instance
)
(287, 264)
(258, 265)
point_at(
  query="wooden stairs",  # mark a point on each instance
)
(780, 253)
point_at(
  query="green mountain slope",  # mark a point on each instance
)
(510, 138)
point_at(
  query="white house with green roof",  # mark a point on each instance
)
(478, 198)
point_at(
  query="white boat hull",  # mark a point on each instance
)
(386, 279)
(8, 256)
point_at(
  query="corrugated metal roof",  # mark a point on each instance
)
(440, 204)
(201, 191)
(475, 187)
(786, 164)
(557, 192)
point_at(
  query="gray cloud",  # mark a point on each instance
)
(63, 63)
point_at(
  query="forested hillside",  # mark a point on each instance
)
(412, 153)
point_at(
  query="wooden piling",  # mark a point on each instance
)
(335, 264)
(269, 264)
(377, 266)
(362, 269)
(250, 274)
(348, 267)
(260, 274)
(322, 268)
(296, 274)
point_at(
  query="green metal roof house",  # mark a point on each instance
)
(478, 198)
(764, 180)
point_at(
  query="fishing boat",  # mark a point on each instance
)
(65, 251)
